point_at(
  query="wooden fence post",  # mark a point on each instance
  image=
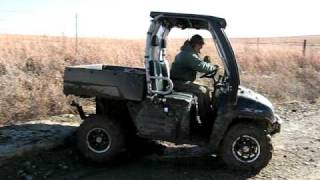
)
(304, 47)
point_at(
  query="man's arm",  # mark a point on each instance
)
(196, 64)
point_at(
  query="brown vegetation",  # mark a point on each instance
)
(31, 69)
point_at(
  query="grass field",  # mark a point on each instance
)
(31, 68)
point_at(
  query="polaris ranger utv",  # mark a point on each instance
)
(141, 102)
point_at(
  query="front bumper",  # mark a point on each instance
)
(276, 125)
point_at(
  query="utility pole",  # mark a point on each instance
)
(63, 42)
(76, 41)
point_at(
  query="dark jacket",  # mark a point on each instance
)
(186, 65)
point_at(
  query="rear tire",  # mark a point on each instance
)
(100, 139)
(246, 147)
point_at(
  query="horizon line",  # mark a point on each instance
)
(138, 38)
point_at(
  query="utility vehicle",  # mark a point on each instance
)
(141, 102)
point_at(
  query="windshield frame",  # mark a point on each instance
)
(229, 61)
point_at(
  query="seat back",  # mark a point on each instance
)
(160, 76)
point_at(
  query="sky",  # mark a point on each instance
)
(130, 19)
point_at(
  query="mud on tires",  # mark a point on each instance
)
(100, 139)
(246, 146)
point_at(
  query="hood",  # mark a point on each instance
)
(254, 96)
(251, 104)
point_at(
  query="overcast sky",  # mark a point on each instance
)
(130, 18)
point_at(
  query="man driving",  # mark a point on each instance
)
(184, 71)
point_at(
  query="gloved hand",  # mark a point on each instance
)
(216, 66)
(207, 59)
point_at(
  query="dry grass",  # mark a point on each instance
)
(31, 69)
(279, 70)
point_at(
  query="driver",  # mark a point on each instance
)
(184, 70)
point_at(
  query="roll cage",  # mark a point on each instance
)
(157, 68)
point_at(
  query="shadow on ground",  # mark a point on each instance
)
(154, 166)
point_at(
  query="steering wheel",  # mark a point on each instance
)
(211, 74)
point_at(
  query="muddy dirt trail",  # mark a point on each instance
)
(296, 156)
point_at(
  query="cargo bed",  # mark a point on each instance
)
(123, 83)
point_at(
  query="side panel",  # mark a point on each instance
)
(224, 117)
(153, 122)
(164, 119)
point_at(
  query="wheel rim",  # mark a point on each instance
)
(246, 149)
(98, 140)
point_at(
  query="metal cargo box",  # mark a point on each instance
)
(123, 83)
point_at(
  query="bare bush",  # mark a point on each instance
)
(3, 69)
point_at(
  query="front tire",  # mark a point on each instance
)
(246, 147)
(100, 139)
